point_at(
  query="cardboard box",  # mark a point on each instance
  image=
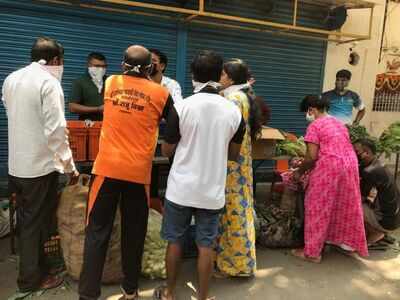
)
(264, 147)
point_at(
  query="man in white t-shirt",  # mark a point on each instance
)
(204, 131)
(160, 61)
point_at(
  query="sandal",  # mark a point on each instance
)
(219, 275)
(389, 239)
(21, 295)
(126, 296)
(351, 253)
(159, 293)
(299, 253)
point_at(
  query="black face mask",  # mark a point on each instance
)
(154, 70)
(361, 160)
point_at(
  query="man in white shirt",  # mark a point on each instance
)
(38, 152)
(204, 129)
(160, 61)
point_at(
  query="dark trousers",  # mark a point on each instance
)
(134, 214)
(36, 204)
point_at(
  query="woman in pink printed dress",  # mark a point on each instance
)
(333, 212)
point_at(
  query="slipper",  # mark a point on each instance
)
(159, 292)
(20, 295)
(129, 297)
(126, 296)
(379, 247)
(389, 239)
(299, 253)
(219, 275)
(339, 249)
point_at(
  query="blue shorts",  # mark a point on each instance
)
(177, 218)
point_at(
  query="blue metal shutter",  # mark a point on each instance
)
(285, 68)
(80, 31)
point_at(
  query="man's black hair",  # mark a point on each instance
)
(367, 143)
(47, 49)
(96, 55)
(161, 55)
(344, 74)
(314, 101)
(207, 66)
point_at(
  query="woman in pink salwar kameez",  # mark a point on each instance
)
(333, 211)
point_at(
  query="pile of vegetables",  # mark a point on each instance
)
(292, 148)
(358, 132)
(389, 141)
(153, 262)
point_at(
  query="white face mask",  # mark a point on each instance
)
(234, 88)
(56, 71)
(310, 118)
(97, 75)
(198, 86)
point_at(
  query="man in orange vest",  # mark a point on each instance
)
(133, 108)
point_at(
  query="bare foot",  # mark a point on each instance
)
(374, 237)
(299, 253)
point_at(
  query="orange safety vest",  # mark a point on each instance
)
(132, 111)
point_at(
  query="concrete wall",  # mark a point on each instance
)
(364, 74)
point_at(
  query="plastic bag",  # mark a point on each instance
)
(155, 248)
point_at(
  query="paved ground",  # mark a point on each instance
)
(279, 277)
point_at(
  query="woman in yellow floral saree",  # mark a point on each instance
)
(236, 253)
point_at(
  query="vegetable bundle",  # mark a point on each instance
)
(291, 148)
(358, 132)
(389, 141)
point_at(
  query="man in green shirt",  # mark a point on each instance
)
(88, 90)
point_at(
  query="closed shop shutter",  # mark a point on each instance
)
(285, 68)
(80, 31)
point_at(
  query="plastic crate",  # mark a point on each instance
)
(53, 253)
(94, 139)
(78, 139)
(52, 246)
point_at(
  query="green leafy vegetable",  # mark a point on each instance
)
(291, 148)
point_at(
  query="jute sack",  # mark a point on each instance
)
(71, 215)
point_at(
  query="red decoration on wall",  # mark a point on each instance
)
(387, 83)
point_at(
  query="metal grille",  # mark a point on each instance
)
(389, 102)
